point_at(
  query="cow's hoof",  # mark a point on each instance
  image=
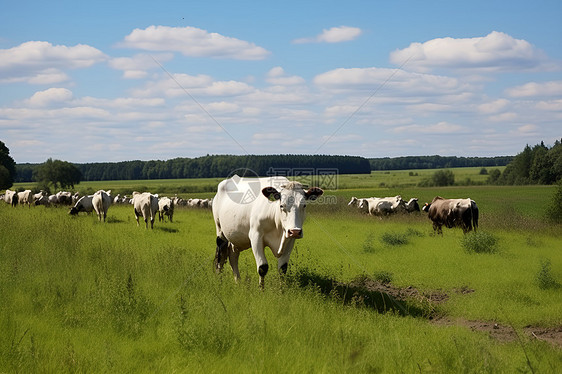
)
(262, 270)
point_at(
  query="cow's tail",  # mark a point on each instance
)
(474, 209)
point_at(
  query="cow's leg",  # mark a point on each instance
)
(261, 262)
(283, 261)
(152, 222)
(233, 260)
(220, 254)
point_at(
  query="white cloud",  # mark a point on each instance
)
(397, 82)
(50, 96)
(496, 51)
(136, 67)
(493, 106)
(333, 35)
(533, 89)
(550, 105)
(438, 128)
(43, 63)
(277, 76)
(193, 42)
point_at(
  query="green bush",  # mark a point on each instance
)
(554, 211)
(394, 239)
(544, 278)
(479, 242)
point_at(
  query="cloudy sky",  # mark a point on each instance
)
(125, 80)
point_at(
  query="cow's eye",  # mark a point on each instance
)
(282, 206)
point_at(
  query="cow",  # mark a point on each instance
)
(84, 204)
(64, 198)
(38, 195)
(412, 205)
(11, 197)
(145, 205)
(358, 203)
(383, 206)
(101, 202)
(165, 208)
(461, 213)
(25, 197)
(255, 213)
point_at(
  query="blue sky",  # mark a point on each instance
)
(115, 81)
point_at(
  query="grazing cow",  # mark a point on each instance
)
(38, 195)
(84, 204)
(145, 204)
(165, 208)
(383, 206)
(358, 203)
(412, 205)
(259, 212)
(461, 213)
(64, 198)
(11, 197)
(25, 197)
(101, 202)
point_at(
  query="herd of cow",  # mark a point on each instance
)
(450, 213)
(256, 213)
(145, 204)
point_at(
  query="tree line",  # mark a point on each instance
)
(209, 167)
(436, 162)
(539, 164)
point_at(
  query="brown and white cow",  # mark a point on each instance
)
(451, 213)
(257, 213)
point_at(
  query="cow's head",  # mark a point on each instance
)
(292, 199)
(426, 207)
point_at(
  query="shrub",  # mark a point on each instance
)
(394, 239)
(479, 242)
(554, 211)
(544, 278)
(385, 277)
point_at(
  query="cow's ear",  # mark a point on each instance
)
(313, 193)
(271, 193)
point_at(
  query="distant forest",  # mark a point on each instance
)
(436, 162)
(211, 166)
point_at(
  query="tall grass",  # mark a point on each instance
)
(84, 296)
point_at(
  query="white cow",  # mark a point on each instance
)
(165, 208)
(84, 204)
(383, 206)
(11, 197)
(101, 202)
(145, 204)
(25, 197)
(259, 212)
(358, 203)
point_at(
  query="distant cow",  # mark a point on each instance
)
(84, 204)
(101, 202)
(64, 198)
(165, 208)
(412, 205)
(259, 212)
(451, 213)
(358, 203)
(25, 197)
(11, 197)
(383, 206)
(145, 205)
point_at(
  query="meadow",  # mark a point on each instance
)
(362, 294)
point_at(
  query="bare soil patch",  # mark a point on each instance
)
(506, 333)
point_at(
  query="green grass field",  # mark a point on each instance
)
(83, 296)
